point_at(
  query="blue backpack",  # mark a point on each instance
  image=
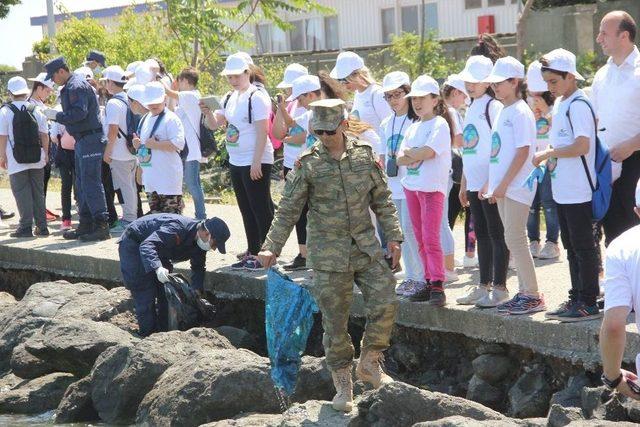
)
(601, 196)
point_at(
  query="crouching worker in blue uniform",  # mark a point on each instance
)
(149, 246)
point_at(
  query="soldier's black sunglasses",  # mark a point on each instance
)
(325, 132)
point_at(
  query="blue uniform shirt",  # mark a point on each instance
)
(164, 238)
(80, 112)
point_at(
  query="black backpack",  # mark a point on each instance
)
(26, 135)
(132, 126)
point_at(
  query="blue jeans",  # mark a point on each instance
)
(192, 181)
(89, 190)
(544, 199)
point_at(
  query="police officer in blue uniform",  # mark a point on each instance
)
(149, 246)
(81, 116)
(96, 61)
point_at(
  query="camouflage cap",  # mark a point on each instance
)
(327, 114)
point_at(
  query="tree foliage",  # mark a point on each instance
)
(5, 5)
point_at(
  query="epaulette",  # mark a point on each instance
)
(361, 143)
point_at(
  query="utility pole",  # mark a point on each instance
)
(51, 23)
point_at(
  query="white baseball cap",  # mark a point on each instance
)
(423, 86)
(563, 60)
(18, 86)
(153, 93)
(302, 85)
(86, 72)
(535, 82)
(143, 75)
(394, 80)
(131, 68)
(152, 63)
(244, 55)
(292, 72)
(114, 73)
(346, 63)
(504, 69)
(234, 65)
(455, 81)
(476, 69)
(136, 92)
(40, 78)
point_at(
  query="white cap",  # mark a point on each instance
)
(152, 63)
(86, 72)
(346, 63)
(114, 73)
(131, 68)
(304, 84)
(504, 69)
(563, 60)
(535, 82)
(143, 75)
(456, 82)
(423, 86)
(235, 65)
(18, 86)
(476, 69)
(244, 55)
(136, 92)
(40, 78)
(153, 93)
(292, 72)
(394, 80)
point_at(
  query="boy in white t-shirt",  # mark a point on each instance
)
(188, 110)
(572, 154)
(24, 157)
(159, 144)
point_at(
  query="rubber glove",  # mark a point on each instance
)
(162, 274)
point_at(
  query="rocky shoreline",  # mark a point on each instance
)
(72, 349)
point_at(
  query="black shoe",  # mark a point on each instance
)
(562, 309)
(100, 232)
(438, 298)
(6, 215)
(422, 294)
(22, 232)
(298, 263)
(42, 232)
(83, 228)
(580, 312)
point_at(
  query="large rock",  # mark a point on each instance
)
(559, 416)
(36, 396)
(57, 300)
(314, 381)
(212, 386)
(6, 300)
(492, 368)
(593, 400)
(9, 381)
(570, 396)
(76, 404)
(459, 421)
(26, 365)
(124, 374)
(239, 338)
(73, 345)
(400, 404)
(485, 393)
(529, 397)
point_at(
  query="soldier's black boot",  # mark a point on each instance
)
(100, 232)
(82, 229)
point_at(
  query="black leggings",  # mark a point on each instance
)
(454, 210)
(301, 225)
(254, 201)
(109, 192)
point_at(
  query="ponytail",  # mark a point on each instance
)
(521, 90)
(442, 110)
(256, 75)
(488, 46)
(331, 88)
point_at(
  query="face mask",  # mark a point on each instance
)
(205, 246)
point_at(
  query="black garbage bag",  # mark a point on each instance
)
(186, 308)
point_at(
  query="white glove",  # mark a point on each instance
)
(162, 274)
(50, 113)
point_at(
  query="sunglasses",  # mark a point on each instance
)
(325, 132)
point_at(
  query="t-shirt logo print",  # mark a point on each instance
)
(310, 140)
(144, 156)
(470, 139)
(296, 130)
(232, 135)
(542, 128)
(393, 142)
(496, 143)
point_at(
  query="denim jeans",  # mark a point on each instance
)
(192, 181)
(543, 199)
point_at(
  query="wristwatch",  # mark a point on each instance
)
(611, 384)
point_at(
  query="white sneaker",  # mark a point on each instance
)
(458, 263)
(470, 262)
(534, 247)
(550, 251)
(473, 294)
(494, 299)
(450, 276)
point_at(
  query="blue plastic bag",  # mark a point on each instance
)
(289, 312)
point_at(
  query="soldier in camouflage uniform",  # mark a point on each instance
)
(341, 181)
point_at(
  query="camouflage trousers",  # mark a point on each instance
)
(333, 292)
(160, 203)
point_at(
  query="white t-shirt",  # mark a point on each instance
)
(189, 113)
(568, 178)
(457, 121)
(394, 129)
(372, 138)
(292, 151)
(622, 274)
(163, 172)
(429, 175)
(476, 141)
(241, 135)
(6, 129)
(303, 121)
(515, 127)
(371, 107)
(116, 114)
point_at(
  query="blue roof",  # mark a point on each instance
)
(99, 13)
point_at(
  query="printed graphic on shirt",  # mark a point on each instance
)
(144, 156)
(470, 138)
(542, 128)
(233, 134)
(496, 143)
(393, 143)
(296, 130)
(311, 139)
(552, 163)
(414, 169)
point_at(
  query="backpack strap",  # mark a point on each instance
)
(156, 124)
(142, 119)
(595, 126)
(121, 133)
(486, 112)
(251, 106)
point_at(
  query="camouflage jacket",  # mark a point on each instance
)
(339, 193)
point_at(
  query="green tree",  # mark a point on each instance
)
(5, 5)
(7, 68)
(77, 36)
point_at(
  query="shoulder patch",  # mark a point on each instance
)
(309, 151)
(361, 143)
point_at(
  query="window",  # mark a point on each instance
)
(496, 2)
(315, 39)
(430, 17)
(388, 24)
(410, 17)
(263, 42)
(331, 33)
(472, 4)
(278, 40)
(297, 35)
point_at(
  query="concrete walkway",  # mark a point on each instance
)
(577, 342)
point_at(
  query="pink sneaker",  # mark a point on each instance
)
(66, 225)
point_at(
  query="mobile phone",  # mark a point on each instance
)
(279, 98)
